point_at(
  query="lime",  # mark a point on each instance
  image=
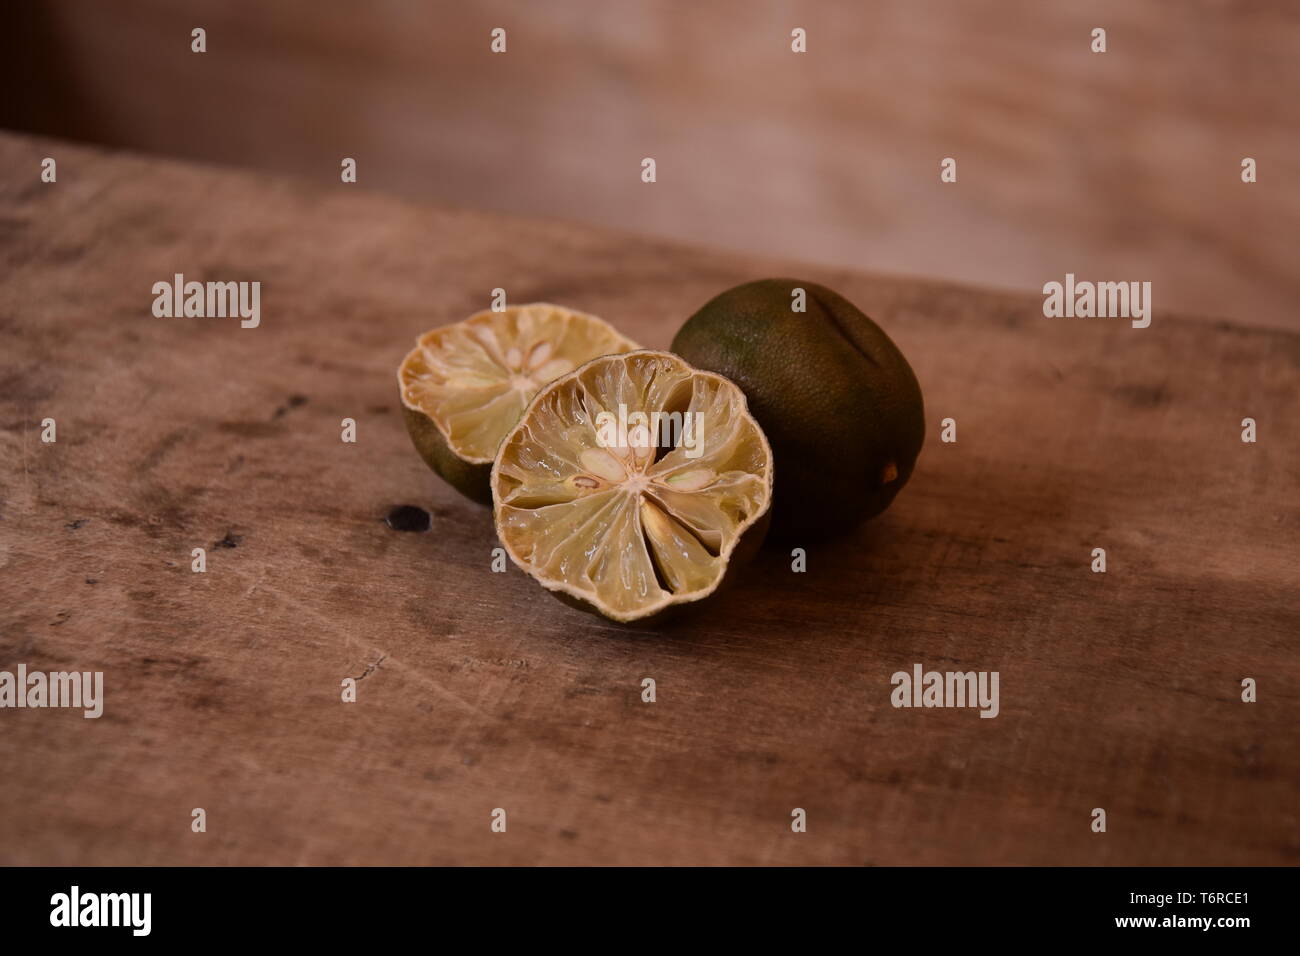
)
(628, 484)
(835, 396)
(465, 385)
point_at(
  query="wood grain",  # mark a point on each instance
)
(478, 691)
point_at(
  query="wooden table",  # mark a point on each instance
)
(477, 691)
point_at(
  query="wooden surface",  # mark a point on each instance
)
(477, 690)
(1123, 165)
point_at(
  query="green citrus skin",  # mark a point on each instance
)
(840, 405)
(469, 479)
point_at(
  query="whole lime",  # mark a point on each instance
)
(836, 398)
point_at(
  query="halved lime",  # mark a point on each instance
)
(464, 385)
(629, 483)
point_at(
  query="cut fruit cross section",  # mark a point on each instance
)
(629, 483)
(464, 385)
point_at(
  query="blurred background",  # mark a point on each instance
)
(1117, 166)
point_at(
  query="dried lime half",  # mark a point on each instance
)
(628, 484)
(465, 385)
